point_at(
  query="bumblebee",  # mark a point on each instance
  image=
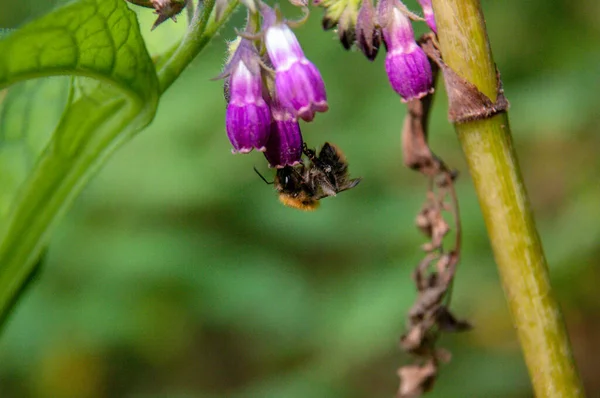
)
(302, 186)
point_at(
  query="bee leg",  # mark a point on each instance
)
(328, 190)
(263, 178)
(321, 183)
(352, 184)
(310, 153)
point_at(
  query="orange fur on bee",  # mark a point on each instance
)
(299, 203)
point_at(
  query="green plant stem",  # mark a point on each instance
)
(202, 29)
(493, 165)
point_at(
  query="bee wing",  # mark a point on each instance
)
(331, 152)
(350, 184)
(320, 184)
(327, 189)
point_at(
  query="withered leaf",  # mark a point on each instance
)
(465, 102)
(427, 300)
(416, 152)
(446, 267)
(448, 323)
(440, 228)
(433, 277)
(423, 223)
(443, 263)
(416, 380)
(412, 340)
(420, 273)
(443, 355)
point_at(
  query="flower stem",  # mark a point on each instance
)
(202, 28)
(493, 165)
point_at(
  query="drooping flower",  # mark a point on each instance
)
(248, 118)
(284, 147)
(428, 14)
(407, 66)
(298, 83)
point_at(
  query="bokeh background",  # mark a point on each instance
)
(177, 273)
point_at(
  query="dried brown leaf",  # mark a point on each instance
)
(439, 230)
(416, 380)
(419, 275)
(465, 102)
(429, 314)
(449, 267)
(423, 223)
(427, 302)
(416, 152)
(448, 323)
(443, 263)
(413, 340)
(443, 355)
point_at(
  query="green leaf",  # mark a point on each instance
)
(28, 116)
(113, 95)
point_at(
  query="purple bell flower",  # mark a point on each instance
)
(284, 147)
(407, 66)
(298, 83)
(428, 14)
(248, 118)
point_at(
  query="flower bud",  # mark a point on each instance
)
(368, 37)
(346, 27)
(165, 9)
(340, 14)
(407, 66)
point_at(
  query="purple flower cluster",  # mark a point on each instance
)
(261, 113)
(270, 84)
(406, 64)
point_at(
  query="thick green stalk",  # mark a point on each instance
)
(202, 29)
(493, 165)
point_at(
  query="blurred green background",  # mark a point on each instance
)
(177, 273)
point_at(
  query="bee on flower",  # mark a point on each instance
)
(270, 84)
(267, 93)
